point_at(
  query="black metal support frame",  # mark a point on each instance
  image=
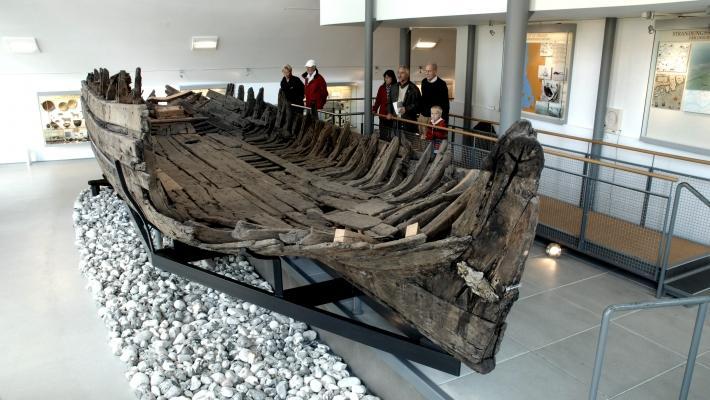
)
(300, 303)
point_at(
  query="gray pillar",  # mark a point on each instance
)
(405, 46)
(369, 28)
(603, 87)
(468, 92)
(516, 26)
(592, 170)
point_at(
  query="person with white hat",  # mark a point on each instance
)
(315, 86)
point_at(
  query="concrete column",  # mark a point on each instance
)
(470, 64)
(516, 26)
(405, 46)
(369, 29)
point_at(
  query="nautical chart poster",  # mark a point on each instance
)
(545, 86)
(697, 89)
(677, 111)
(668, 91)
(672, 57)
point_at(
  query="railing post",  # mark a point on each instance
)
(599, 358)
(660, 289)
(646, 198)
(588, 186)
(693, 352)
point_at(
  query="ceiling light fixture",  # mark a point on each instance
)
(204, 42)
(423, 44)
(20, 45)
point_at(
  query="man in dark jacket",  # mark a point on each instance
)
(407, 95)
(291, 86)
(434, 93)
(316, 89)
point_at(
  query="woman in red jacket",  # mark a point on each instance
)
(433, 134)
(316, 89)
(383, 104)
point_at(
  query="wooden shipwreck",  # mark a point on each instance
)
(442, 247)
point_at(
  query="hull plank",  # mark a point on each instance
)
(230, 174)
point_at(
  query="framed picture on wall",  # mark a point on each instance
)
(677, 110)
(62, 118)
(546, 81)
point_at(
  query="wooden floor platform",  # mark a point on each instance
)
(616, 234)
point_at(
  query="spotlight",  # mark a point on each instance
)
(651, 29)
(492, 32)
(553, 250)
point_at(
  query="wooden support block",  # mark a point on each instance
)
(352, 220)
(162, 112)
(346, 236)
(412, 230)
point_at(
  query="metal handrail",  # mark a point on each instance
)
(669, 234)
(328, 112)
(591, 141)
(701, 302)
(347, 99)
(599, 142)
(546, 150)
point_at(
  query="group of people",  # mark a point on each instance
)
(398, 97)
(313, 87)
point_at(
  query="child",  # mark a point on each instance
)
(434, 134)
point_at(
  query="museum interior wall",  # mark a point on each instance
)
(252, 53)
(253, 46)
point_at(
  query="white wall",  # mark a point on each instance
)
(444, 54)
(260, 36)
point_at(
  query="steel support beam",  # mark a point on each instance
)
(470, 64)
(516, 27)
(405, 46)
(589, 189)
(603, 87)
(369, 29)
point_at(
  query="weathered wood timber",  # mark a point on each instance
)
(441, 247)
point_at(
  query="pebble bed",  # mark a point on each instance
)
(181, 340)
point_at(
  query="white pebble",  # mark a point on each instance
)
(138, 380)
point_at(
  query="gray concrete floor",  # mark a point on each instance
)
(548, 351)
(52, 345)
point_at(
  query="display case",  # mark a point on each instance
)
(62, 117)
(546, 74)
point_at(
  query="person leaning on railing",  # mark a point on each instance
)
(291, 86)
(432, 133)
(383, 104)
(434, 92)
(407, 95)
(316, 89)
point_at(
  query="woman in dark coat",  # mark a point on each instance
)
(292, 86)
(383, 104)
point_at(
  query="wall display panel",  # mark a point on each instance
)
(678, 95)
(548, 62)
(62, 118)
(697, 98)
